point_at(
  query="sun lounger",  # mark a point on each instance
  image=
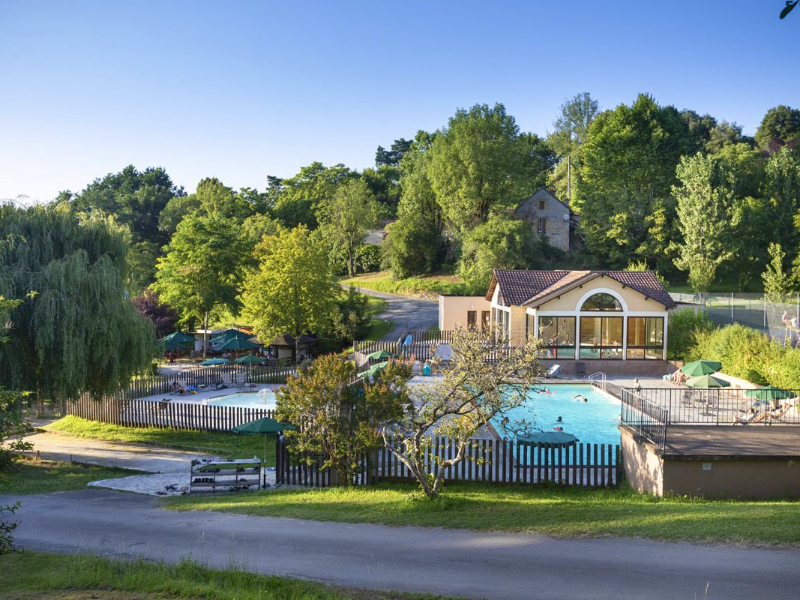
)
(552, 372)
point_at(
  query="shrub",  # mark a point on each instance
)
(786, 372)
(7, 529)
(684, 326)
(368, 258)
(743, 352)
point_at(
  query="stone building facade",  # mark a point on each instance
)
(549, 217)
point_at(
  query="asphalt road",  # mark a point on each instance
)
(407, 313)
(452, 562)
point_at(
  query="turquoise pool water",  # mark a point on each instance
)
(261, 399)
(593, 422)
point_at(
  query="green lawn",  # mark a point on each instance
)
(427, 287)
(34, 476)
(38, 576)
(554, 511)
(227, 445)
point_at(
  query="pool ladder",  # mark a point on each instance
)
(599, 379)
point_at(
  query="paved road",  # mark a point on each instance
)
(453, 562)
(111, 454)
(406, 313)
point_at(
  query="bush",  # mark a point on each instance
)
(684, 326)
(786, 372)
(743, 352)
(368, 258)
(7, 529)
(411, 247)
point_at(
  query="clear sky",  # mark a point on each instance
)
(241, 90)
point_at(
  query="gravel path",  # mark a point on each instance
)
(406, 313)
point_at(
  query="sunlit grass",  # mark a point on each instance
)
(34, 476)
(570, 512)
(227, 445)
(31, 575)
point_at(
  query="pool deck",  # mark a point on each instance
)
(765, 442)
(203, 396)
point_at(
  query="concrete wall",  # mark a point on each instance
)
(709, 477)
(555, 214)
(453, 310)
(644, 469)
(736, 382)
(645, 368)
(734, 478)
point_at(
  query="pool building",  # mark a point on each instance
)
(615, 319)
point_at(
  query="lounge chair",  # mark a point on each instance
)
(552, 372)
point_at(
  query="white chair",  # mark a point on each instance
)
(552, 372)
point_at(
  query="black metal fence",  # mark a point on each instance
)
(645, 418)
(724, 406)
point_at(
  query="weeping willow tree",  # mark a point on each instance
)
(75, 331)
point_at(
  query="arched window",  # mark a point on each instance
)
(603, 302)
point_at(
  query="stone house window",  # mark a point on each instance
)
(541, 204)
(542, 226)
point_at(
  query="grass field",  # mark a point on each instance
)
(37, 576)
(424, 287)
(34, 476)
(378, 328)
(227, 445)
(570, 512)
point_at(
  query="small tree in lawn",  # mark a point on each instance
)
(337, 426)
(473, 391)
(778, 284)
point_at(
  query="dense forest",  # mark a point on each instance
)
(656, 187)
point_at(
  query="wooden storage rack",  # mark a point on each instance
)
(222, 475)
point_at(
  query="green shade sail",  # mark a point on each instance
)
(212, 362)
(701, 367)
(553, 438)
(769, 393)
(263, 425)
(249, 359)
(707, 381)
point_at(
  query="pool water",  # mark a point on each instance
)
(592, 422)
(262, 399)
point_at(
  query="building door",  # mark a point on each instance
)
(472, 319)
(486, 319)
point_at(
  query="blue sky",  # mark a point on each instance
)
(241, 90)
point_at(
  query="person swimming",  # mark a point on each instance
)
(558, 428)
(581, 398)
(559, 419)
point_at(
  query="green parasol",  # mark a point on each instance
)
(768, 393)
(212, 362)
(379, 355)
(264, 426)
(552, 438)
(701, 367)
(235, 343)
(707, 381)
(249, 359)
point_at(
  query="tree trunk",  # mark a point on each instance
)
(205, 336)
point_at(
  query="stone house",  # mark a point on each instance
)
(550, 218)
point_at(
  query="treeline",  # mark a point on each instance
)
(654, 187)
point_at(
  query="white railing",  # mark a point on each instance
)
(599, 378)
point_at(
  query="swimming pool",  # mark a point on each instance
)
(592, 422)
(262, 399)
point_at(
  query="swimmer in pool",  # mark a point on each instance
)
(559, 420)
(580, 397)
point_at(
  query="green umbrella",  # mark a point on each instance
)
(236, 343)
(211, 362)
(768, 393)
(249, 359)
(176, 341)
(707, 381)
(552, 438)
(701, 367)
(379, 355)
(265, 426)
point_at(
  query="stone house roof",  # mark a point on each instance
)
(534, 288)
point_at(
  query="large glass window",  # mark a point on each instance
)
(601, 301)
(601, 337)
(558, 337)
(645, 338)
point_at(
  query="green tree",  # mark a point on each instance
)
(629, 161)
(393, 156)
(500, 243)
(778, 283)
(781, 189)
(203, 267)
(481, 163)
(75, 331)
(135, 199)
(346, 217)
(779, 127)
(706, 205)
(301, 196)
(292, 291)
(571, 129)
(338, 424)
(471, 393)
